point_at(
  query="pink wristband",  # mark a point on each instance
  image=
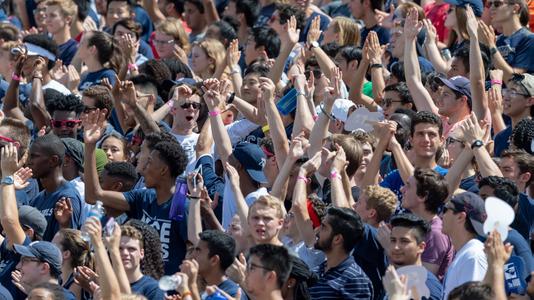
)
(315, 117)
(170, 103)
(132, 67)
(496, 81)
(334, 175)
(15, 77)
(305, 179)
(214, 113)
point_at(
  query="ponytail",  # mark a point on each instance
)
(109, 53)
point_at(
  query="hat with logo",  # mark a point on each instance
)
(526, 81)
(253, 160)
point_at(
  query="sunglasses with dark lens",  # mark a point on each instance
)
(66, 123)
(88, 109)
(447, 207)
(4, 140)
(194, 105)
(316, 73)
(495, 4)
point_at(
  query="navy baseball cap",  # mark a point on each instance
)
(44, 251)
(458, 84)
(252, 158)
(31, 217)
(476, 5)
(473, 205)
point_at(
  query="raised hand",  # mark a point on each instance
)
(10, 161)
(471, 129)
(73, 78)
(233, 54)
(86, 278)
(93, 125)
(291, 34)
(21, 178)
(190, 268)
(129, 96)
(63, 212)
(385, 130)
(471, 22)
(333, 91)
(195, 184)
(129, 46)
(16, 279)
(412, 25)
(314, 33)
(38, 67)
(232, 174)
(237, 271)
(312, 164)
(487, 34)
(267, 89)
(396, 286)
(431, 32)
(19, 63)
(385, 19)
(211, 93)
(180, 54)
(495, 101)
(374, 50)
(340, 160)
(298, 147)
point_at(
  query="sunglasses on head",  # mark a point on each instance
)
(8, 140)
(66, 123)
(194, 105)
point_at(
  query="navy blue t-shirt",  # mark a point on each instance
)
(94, 78)
(148, 287)
(524, 218)
(145, 49)
(502, 141)
(8, 264)
(173, 234)
(266, 13)
(4, 293)
(521, 249)
(383, 34)
(67, 51)
(323, 25)
(142, 17)
(46, 202)
(434, 286)
(229, 287)
(517, 49)
(469, 184)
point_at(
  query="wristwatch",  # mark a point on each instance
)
(493, 50)
(8, 180)
(477, 144)
(313, 44)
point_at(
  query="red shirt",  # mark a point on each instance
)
(437, 13)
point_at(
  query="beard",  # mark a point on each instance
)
(324, 245)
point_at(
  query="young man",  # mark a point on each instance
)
(195, 19)
(40, 263)
(424, 193)
(262, 43)
(166, 161)
(455, 102)
(407, 245)
(396, 96)
(518, 104)
(265, 220)
(73, 164)
(214, 253)
(339, 276)
(60, 15)
(118, 176)
(65, 114)
(246, 12)
(268, 269)
(99, 97)
(463, 218)
(365, 10)
(47, 154)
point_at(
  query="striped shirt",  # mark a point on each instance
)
(345, 281)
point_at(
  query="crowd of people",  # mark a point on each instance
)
(266, 149)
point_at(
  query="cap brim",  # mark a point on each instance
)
(24, 251)
(479, 227)
(449, 84)
(453, 2)
(258, 176)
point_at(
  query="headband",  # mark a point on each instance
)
(33, 49)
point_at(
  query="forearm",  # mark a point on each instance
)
(497, 122)
(338, 196)
(277, 132)
(319, 131)
(9, 215)
(237, 81)
(162, 112)
(325, 63)
(221, 138)
(404, 165)
(422, 99)
(118, 268)
(145, 120)
(303, 117)
(486, 165)
(210, 11)
(279, 189)
(153, 11)
(373, 168)
(241, 205)
(378, 83)
(279, 64)
(495, 277)
(477, 78)
(23, 14)
(194, 224)
(434, 56)
(93, 190)
(121, 115)
(500, 63)
(38, 111)
(108, 282)
(249, 111)
(454, 176)
(302, 217)
(210, 220)
(205, 140)
(347, 188)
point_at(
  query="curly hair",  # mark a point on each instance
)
(523, 134)
(285, 11)
(152, 264)
(79, 249)
(426, 117)
(432, 186)
(174, 156)
(102, 96)
(60, 102)
(382, 200)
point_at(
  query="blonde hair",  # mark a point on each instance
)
(174, 28)
(270, 202)
(382, 200)
(348, 30)
(68, 7)
(214, 49)
(7, 46)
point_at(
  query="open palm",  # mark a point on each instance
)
(93, 126)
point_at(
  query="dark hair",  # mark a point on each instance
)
(350, 53)
(157, 71)
(376, 4)
(303, 276)
(176, 66)
(422, 228)
(130, 3)
(8, 32)
(129, 24)
(250, 9)
(124, 171)
(155, 137)
(258, 68)
(402, 89)
(83, 9)
(55, 289)
(523, 134)
(275, 258)
(198, 4)
(102, 96)
(472, 290)
(426, 117)
(108, 51)
(286, 11)
(51, 145)
(17, 131)
(178, 6)
(524, 161)
(462, 53)
(174, 156)
(228, 32)
(397, 70)
(145, 84)
(433, 187)
(45, 42)
(55, 101)
(348, 223)
(331, 49)
(79, 249)
(267, 37)
(503, 188)
(220, 244)
(152, 263)
(232, 21)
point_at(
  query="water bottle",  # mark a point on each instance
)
(170, 283)
(96, 211)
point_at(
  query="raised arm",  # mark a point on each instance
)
(143, 117)
(375, 51)
(339, 198)
(422, 99)
(151, 7)
(220, 135)
(495, 101)
(93, 124)
(117, 93)
(432, 51)
(210, 11)
(303, 117)
(11, 100)
(9, 213)
(276, 126)
(477, 74)
(112, 243)
(404, 165)
(40, 115)
(383, 131)
(241, 204)
(232, 60)
(195, 184)
(288, 38)
(358, 78)
(297, 150)
(314, 33)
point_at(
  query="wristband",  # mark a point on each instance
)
(214, 113)
(170, 103)
(230, 98)
(265, 128)
(496, 81)
(376, 66)
(132, 67)
(334, 175)
(15, 77)
(493, 51)
(305, 179)
(299, 93)
(37, 77)
(315, 117)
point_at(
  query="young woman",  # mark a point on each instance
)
(206, 56)
(343, 31)
(115, 147)
(170, 36)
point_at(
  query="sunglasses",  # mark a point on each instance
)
(8, 140)
(316, 73)
(449, 207)
(88, 109)
(194, 105)
(66, 123)
(495, 4)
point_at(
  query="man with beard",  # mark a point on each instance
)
(339, 276)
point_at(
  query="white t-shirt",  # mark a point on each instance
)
(229, 206)
(469, 264)
(52, 84)
(189, 143)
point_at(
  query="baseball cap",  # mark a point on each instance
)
(44, 251)
(75, 150)
(341, 108)
(458, 84)
(31, 217)
(252, 158)
(476, 5)
(526, 81)
(473, 206)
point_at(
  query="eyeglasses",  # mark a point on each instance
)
(26, 259)
(39, 10)
(388, 101)
(495, 4)
(252, 266)
(316, 73)
(451, 140)
(8, 140)
(194, 105)
(160, 42)
(66, 123)
(88, 109)
(449, 207)
(512, 93)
